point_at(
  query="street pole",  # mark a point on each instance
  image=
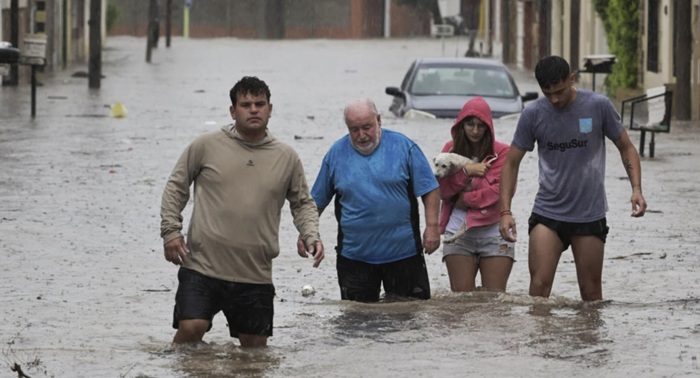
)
(152, 24)
(168, 21)
(14, 40)
(95, 63)
(684, 49)
(186, 19)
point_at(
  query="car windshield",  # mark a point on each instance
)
(462, 81)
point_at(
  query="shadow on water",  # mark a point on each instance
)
(570, 332)
(210, 360)
(451, 328)
(490, 323)
(377, 321)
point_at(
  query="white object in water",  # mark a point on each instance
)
(307, 290)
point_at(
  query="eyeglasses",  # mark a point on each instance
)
(471, 124)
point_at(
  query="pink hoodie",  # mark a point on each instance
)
(483, 198)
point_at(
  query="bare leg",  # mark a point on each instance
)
(191, 331)
(544, 252)
(495, 271)
(588, 255)
(462, 271)
(252, 341)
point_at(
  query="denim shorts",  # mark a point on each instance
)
(565, 230)
(361, 281)
(248, 307)
(479, 247)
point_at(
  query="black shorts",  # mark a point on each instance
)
(565, 230)
(360, 281)
(248, 307)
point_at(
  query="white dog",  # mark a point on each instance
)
(445, 164)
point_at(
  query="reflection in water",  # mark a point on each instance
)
(484, 324)
(377, 321)
(453, 328)
(226, 360)
(570, 332)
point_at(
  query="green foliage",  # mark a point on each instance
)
(620, 21)
(112, 15)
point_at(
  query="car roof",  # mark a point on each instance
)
(458, 60)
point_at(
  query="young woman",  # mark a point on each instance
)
(471, 195)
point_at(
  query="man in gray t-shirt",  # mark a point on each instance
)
(570, 126)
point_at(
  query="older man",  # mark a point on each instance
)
(375, 176)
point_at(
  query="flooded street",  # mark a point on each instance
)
(86, 292)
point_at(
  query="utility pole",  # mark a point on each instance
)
(509, 31)
(505, 32)
(14, 40)
(186, 19)
(683, 50)
(152, 28)
(95, 62)
(168, 21)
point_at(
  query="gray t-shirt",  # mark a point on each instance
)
(571, 150)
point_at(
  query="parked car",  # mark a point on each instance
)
(441, 86)
(8, 55)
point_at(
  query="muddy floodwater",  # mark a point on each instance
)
(86, 292)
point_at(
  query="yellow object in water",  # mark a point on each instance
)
(118, 110)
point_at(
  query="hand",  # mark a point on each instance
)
(176, 251)
(477, 169)
(316, 250)
(507, 228)
(639, 205)
(431, 239)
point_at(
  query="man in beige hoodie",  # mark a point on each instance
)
(242, 176)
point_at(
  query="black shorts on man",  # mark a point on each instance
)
(360, 281)
(565, 230)
(248, 308)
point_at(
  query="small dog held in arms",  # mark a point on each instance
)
(445, 164)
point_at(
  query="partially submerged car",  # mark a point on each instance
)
(441, 86)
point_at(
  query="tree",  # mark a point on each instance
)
(620, 21)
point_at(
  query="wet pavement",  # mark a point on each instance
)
(86, 291)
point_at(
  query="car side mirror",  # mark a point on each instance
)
(529, 96)
(395, 91)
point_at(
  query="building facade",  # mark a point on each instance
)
(63, 22)
(278, 19)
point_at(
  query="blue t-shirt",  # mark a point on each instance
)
(375, 197)
(571, 150)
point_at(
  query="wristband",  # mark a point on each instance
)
(506, 212)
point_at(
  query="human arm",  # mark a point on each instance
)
(509, 177)
(306, 216)
(175, 196)
(431, 235)
(176, 250)
(484, 191)
(632, 165)
(314, 250)
(459, 181)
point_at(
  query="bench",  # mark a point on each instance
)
(649, 112)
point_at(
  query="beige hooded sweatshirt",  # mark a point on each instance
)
(239, 190)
